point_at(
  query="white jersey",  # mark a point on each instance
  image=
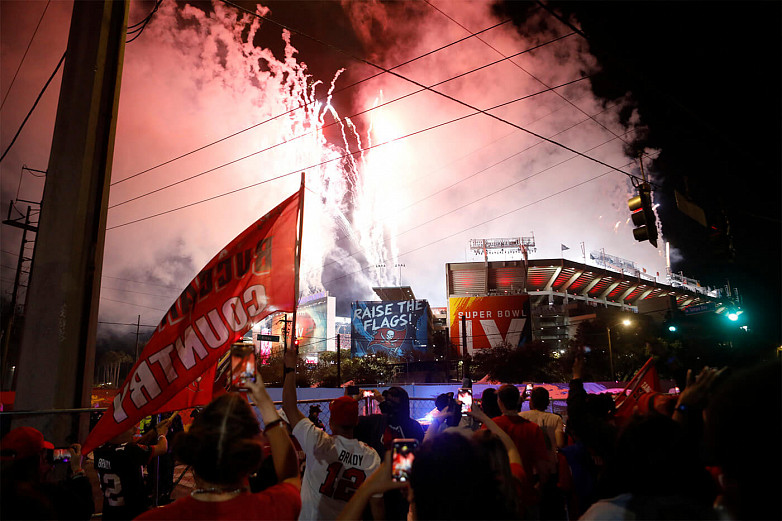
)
(336, 467)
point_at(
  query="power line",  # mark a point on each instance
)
(340, 157)
(354, 115)
(303, 105)
(488, 168)
(25, 54)
(524, 70)
(141, 282)
(442, 94)
(33, 107)
(138, 30)
(131, 304)
(139, 292)
(480, 198)
(124, 324)
(486, 221)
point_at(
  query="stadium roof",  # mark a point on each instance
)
(395, 293)
(591, 282)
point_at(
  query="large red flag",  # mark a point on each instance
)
(645, 381)
(252, 277)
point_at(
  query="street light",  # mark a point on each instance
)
(626, 322)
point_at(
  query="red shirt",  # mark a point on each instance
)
(280, 501)
(529, 440)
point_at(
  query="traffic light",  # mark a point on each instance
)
(643, 215)
(720, 237)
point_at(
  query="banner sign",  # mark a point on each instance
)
(487, 322)
(247, 280)
(393, 327)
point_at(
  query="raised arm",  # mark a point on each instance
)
(513, 452)
(375, 485)
(289, 398)
(162, 442)
(283, 454)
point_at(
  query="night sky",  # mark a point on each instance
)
(693, 85)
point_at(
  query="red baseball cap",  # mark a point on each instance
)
(23, 442)
(344, 411)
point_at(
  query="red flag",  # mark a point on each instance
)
(644, 381)
(252, 277)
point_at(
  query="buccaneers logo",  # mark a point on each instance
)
(389, 338)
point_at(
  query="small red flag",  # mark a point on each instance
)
(644, 381)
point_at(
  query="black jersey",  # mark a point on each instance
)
(119, 469)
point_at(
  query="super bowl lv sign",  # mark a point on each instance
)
(390, 327)
(486, 322)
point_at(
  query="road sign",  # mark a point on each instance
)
(709, 307)
(269, 338)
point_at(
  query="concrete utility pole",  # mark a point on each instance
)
(57, 355)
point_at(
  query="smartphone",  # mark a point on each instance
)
(61, 455)
(242, 365)
(402, 455)
(529, 389)
(368, 394)
(465, 396)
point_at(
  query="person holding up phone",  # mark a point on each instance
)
(224, 446)
(450, 478)
(337, 463)
(27, 461)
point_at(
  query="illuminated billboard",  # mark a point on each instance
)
(315, 327)
(392, 327)
(486, 322)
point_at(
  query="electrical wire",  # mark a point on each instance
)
(482, 170)
(33, 107)
(142, 282)
(299, 170)
(414, 82)
(124, 324)
(132, 304)
(557, 93)
(475, 200)
(340, 121)
(322, 98)
(545, 198)
(138, 30)
(25, 54)
(138, 292)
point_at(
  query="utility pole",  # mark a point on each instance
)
(57, 355)
(285, 322)
(138, 326)
(339, 363)
(6, 366)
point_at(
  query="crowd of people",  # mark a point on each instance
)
(701, 454)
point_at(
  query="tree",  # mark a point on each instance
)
(110, 365)
(529, 362)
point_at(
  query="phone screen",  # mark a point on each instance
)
(465, 396)
(242, 365)
(61, 456)
(368, 394)
(402, 457)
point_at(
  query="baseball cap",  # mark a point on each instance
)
(23, 442)
(344, 411)
(314, 408)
